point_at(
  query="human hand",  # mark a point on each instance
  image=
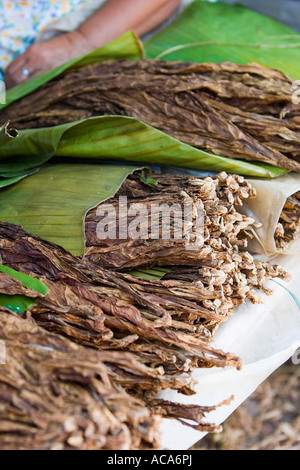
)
(43, 56)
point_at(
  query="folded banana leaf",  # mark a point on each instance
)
(4, 182)
(53, 202)
(115, 138)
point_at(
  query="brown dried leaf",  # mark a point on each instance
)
(237, 111)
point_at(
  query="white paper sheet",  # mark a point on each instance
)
(266, 208)
(264, 336)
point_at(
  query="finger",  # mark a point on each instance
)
(17, 63)
(29, 60)
(14, 73)
(30, 64)
(13, 79)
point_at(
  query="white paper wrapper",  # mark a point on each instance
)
(266, 208)
(264, 336)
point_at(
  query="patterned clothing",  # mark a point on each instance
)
(22, 21)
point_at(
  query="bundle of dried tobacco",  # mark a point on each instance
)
(169, 330)
(277, 208)
(288, 228)
(207, 217)
(143, 337)
(224, 275)
(238, 111)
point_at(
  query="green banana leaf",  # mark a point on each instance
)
(28, 281)
(4, 182)
(21, 303)
(153, 273)
(16, 303)
(53, 202)
(115, 138)
(15, 175)
(217, 32)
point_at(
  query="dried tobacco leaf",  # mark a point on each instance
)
(237, 111)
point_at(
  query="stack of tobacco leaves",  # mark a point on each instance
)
(148, 335)
(244, 112)
(168, 331)
(140, 351)
(288, 228)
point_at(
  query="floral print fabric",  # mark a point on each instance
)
(22, 21)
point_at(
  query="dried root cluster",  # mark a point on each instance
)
(88, 359)
(244, 112)
(288, 228)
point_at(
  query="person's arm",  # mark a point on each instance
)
(114, 18)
